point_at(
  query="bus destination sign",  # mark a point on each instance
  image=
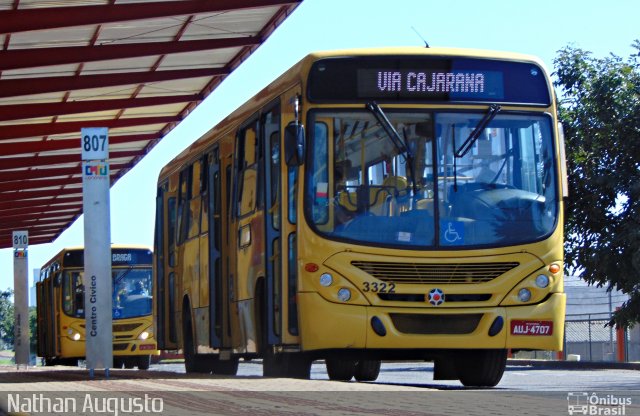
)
(421, 79)
(119, 257)
(416, 83)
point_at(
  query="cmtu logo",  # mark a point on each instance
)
(20, 254)
(96, 170)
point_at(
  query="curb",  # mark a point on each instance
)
(574, 365)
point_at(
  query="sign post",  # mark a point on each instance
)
(97, 249)
(21, 297)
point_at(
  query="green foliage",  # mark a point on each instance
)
(600, 111)
(33, 328)
(6, 318)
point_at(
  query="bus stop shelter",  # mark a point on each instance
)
(138, 67)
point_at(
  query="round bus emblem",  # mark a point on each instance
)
(436, 297)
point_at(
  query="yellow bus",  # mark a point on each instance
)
(368, 205)
(61, 313)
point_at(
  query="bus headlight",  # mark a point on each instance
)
(344, 294)
(326, 279)
(524, 295)
(144, 335)
(542, 281)
(73, 334)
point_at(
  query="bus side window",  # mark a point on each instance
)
(275, 178)
(204, 194)
(184, 197)
(194, 201)
(247, 170)
(171, 230)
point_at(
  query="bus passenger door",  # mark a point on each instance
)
(270, 318)
(165, 261)
(218, 307)
(55, 307)
(221, 273)
(250, 232)
(288, 228)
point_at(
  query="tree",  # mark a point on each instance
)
(33, 329)
(600, 111)
(6, 318)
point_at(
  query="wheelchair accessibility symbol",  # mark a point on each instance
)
(452, 232)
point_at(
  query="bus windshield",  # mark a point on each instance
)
(131, 292)
(436, 188)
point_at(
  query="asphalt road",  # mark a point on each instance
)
(516, 378)
(403, 389)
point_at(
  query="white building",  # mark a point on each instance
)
(32, 289)
(584, 299)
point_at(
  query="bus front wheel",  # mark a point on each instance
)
(367, 370)
(340, 369)
(481, 368)
(144, 361)
(190, 357)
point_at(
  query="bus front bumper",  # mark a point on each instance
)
(328, 325)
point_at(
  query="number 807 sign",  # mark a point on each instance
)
(94, 142)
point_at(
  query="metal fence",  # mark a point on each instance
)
(590, 338)
(587, 337)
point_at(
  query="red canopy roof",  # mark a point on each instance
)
(137, 67)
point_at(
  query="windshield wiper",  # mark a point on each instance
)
(395, 138)
(494, 109)
(122, 275)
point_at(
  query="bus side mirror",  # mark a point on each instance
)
(294, 144)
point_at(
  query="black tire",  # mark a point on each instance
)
(289, 365)
(298, 365)
(144, 361)
(118, 363)
(190, 361)
(481, 368)
(271, 364)
(130, 362)
(71, 362)
(340, 369)
(367, 370)
(224, 367)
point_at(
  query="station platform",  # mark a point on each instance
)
(37, 390)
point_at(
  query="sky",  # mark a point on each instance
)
(539, 28)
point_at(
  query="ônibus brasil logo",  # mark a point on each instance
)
(583, 403)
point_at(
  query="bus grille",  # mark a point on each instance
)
(421, 297)
(125, 327)
(120, 327)
(412, 323)
(431, 273)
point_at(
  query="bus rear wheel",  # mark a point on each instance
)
(481, 368)
(286, 364)
(224, 367)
